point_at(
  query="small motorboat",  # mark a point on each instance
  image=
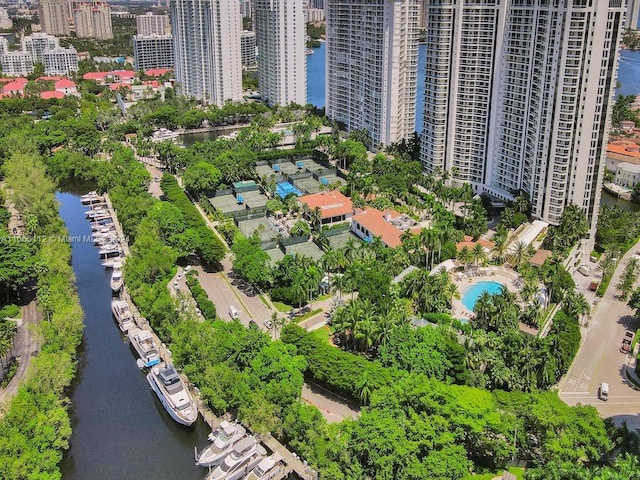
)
(145, 346)
(122, 314)
(117, 277)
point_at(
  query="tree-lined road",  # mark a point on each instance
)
(599, 359)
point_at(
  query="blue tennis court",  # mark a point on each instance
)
(285, 188)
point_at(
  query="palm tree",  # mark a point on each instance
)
(520, 254)
(478, 254)
(465, 256)
(363, 389)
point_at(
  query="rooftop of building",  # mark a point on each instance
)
(388, 225)
(65, 83)
(331, 203)
(629, 167)
(468, 242)
(50, 95)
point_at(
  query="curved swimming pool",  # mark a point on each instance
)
(473, 292)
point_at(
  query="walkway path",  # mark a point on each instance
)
(25, 346)
(333, 408)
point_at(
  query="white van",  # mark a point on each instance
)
(233, 313)
(584, 270)
(603, 391)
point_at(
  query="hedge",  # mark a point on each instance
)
(206, 306)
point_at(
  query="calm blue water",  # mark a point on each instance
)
(120, 429)
(471, 294)
(628, 77)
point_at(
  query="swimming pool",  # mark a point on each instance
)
(285, 188)
(471, 294)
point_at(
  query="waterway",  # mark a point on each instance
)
(608, 199)
(120, 429)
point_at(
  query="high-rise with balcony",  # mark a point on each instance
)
(151, 24)
(518, 97)
(37, 43)
(372, 57)
(282, 63)
(206, 44)
(54, 17)
(93, 20)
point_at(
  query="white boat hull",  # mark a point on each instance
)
(167, 406)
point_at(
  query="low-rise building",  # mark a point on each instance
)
(388, 226)
(627, 174)
(333, 206)
(619, 151)
(66, 87)
(5, 21)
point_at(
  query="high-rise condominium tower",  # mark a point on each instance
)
(37, 43)
(54, 17)
(282, 63)
(518, 96)
(93, 20)
(372, 56)
(206, 42)
(150, 24)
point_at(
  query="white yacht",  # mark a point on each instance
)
(245, 455)
(145, 345)
(123, 315)
(266, 469)
(173, 394)
(226, 435)
(117, 277)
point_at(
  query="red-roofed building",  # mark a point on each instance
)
(99, 77)
(48, 79)
(156, 72)
(470, 244)
(67, 87)
(21, 80)
(333, 206)
(50, 95)
(14, 88)
(116, 86)
(123, 76)
(388, 226)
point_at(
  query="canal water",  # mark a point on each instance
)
(120, 429)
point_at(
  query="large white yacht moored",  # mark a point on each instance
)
(123, 314)
(174, 395)
(266, 469)
(226, 435)
(245, 455)
(145, 345)
(91, 198)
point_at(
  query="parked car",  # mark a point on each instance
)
(268, 323)
(626, 342)
(603, 391)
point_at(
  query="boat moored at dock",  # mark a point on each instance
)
(244, 457)
(117, 277)
(223, 438)
(122, 314)
(145, 346)
(266, 469)
(172, 392)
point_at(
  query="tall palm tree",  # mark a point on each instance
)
(520, 254)
(478, 254)
(465, 256)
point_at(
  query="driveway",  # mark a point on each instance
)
(25, 345)
(599, 359)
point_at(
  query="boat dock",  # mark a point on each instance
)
(290, 461)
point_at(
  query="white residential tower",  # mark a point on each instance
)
(282, 63)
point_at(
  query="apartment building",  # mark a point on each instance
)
(372, 67)
(282, 63)
(151, 24)
(518, 97)
(54, 17)
(153, 51)
(206, 44)
(60, 61)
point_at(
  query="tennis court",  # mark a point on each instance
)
(254, 199)
(307, 249)
(331, 179)
(285, 188)
(307, 185)
(310, 164)
(265, 171)
(287, 168)
(275, 254)
(339, 241)
(226, 204)
(266, 232)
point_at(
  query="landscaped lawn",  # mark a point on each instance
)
(322, 333)
(282, 307)
(517, 471)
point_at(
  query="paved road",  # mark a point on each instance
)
(26, 344)
(599, 359)
(333, 408)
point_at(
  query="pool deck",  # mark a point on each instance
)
(463, 280)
